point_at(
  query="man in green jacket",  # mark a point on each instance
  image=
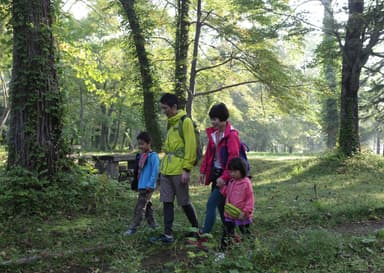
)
(175, 168)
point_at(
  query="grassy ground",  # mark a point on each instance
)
(311, 215)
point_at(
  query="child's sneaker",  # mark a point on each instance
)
(237, 238)
(130, 232)
(219, 256)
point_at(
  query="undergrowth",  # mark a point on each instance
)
(304, 213)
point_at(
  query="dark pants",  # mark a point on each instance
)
(143, 209)
(189, 211)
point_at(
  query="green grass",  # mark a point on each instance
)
(312, 214)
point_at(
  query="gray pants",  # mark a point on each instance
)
(143, 209)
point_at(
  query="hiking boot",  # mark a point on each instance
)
(192, 234)
(130, 232)
(153, 226)
(164, 238)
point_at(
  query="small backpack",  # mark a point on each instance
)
(243, 149)
(199, 147)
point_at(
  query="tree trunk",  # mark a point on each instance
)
(378, 144)
(81, 118)
(181, 51)
(104, 129)
(150, 117)
(331, 115)
(352, 63)
(35, 134)
(192, 77)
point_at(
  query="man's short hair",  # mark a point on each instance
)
(170, 100)
(219, 111)
(144, 136)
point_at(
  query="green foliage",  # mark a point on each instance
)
(23, 193)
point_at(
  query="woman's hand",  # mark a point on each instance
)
(202, 179)
(220, 182)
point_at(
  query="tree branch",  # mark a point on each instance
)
(223, 88)
(215, 65)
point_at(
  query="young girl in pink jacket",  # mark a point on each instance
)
(239, 193)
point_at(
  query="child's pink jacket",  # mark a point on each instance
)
(240, 194)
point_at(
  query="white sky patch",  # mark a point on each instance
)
(79, 9)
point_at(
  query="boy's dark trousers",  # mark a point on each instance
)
(143, 209)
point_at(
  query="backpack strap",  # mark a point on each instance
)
(181, 133)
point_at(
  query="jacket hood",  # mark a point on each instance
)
(172, 121)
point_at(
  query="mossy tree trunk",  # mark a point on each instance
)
(353, 60)
(181, 51)
(150, 117)
(35, 133)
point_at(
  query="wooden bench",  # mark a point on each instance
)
(110, 164)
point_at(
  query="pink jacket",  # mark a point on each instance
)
(230, 145)
(240, 194)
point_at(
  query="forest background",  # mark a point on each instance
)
(278, 69)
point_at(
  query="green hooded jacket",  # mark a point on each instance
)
(178, 155)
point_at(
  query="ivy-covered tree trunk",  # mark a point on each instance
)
(353, 60)
(150, 117)
(330, 59)
(181, 51)
(35, 133)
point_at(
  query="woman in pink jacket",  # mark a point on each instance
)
(223, 144)
(239, 193)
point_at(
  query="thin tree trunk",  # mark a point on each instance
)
(378, 144)
(150, 117)
(35, 135)
(192, 77)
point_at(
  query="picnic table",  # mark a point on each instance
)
(111, 165)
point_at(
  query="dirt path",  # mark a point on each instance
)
(361, 227)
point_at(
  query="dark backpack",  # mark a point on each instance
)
(135, 181)
(199, 147)
(243, 149)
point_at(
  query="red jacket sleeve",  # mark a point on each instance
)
(233, 147)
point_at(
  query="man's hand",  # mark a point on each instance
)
(185, 176)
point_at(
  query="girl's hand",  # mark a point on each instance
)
(242, 216)
(202, 179)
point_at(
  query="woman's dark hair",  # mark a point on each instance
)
(219, 111)
(144, 136)
(170, 100)
(238, 164)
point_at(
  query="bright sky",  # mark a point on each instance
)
(77, 7)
